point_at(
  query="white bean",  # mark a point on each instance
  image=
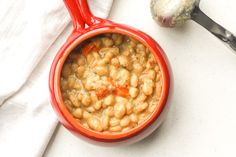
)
(107, 42)
(117, 38)
(105, 122)
(125, 121)
(119, 110)
(109, 111)
(66, 70)
(141, 107)
(101, 70)
(138, 68)
(86, 115)
(115, 128)
(133, 92)
(123, 77)
(158, 89)
(74, 100)
(109, 100)
(151, 74)
(129, 108)
(94, 123)
(114, 122)
(78, 113)
(98, 105)
(90, 109)
(148, 87)
(134, 118)
(134, 80)
(86, 100)
(123, 60)
(115, 62)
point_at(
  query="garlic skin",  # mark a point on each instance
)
(171, 13)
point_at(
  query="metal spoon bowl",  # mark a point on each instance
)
(172, 13)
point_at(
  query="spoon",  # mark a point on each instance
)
(172, 13)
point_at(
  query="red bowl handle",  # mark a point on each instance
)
(75, 15)
(80, 14)
(86, 14)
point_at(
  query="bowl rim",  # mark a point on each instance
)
(66, 117)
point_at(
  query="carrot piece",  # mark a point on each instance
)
(121, 91)
(109, 79)
(101, 92)
(88, 48)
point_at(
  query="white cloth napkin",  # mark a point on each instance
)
(28, 29)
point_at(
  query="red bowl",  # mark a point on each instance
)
(80, 16)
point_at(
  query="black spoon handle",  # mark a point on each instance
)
(213, 27)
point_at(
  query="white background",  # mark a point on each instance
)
(202, 118)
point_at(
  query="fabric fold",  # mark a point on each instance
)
(31, 34)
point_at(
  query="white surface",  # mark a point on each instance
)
(202, 118)
(28, 32)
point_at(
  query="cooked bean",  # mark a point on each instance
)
(126, 129)
(78, 113)
(94, 123)
(109, 111)
(101, 70)
(129, 108)
(117, 38)
(140, 47)
(85, 124)
(158, 89)
(157, 68)
(141, 98)
(150, 63)
(115, 128)
(69, 105)
(133, 92)
(134, 118)
(96, 56)
(142, 117)
(138, 68)
(90, 59)
(109, 100)
(115, 62)
(151, 74)
(93, 97)
(71, 81)
(107, 42)
(134, 80)
(74, 67)
(125, 121)
(124, 61)
(81, 61)
(152, 108)
(119, 110)
(105, 122)
(90, 109)
(114, 122)
(141, 107)
(86, 100)
(158, 77)
(80, 71)
(148, 87)
(66, 70)
(98, 105)
(120, 99)
(73, 98)
(64, 85)
(86, 115)
(113, 72)
(123, 77)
